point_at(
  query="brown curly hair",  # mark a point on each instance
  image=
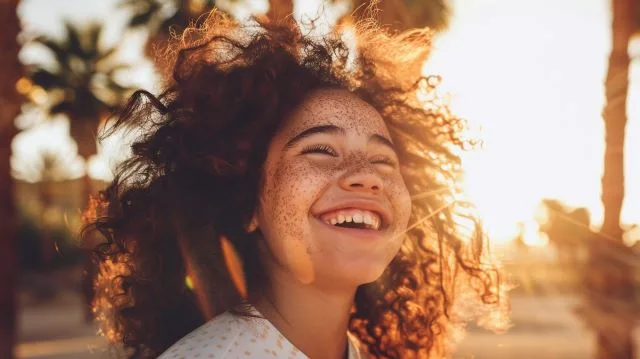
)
(195, 173)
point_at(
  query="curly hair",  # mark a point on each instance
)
(195, 174)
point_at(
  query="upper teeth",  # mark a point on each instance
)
(371, 219)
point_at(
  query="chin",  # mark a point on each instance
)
(352, 274)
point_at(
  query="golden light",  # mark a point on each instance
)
(234, 266)
(197, 6)
(38, 95)
(51, 216)
(537, 93)
(531, 236)
(24, 86)
(188, 282)
(535, 90)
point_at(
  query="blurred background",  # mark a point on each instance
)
(551, 86)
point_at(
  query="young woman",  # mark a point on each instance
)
(290, 196)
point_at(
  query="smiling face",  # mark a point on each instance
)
(333, 205)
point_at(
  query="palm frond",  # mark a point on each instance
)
(112, 70)
(59, 50)
(144, 11)
(85, 84)
(105, 54)
(116, 87)
(92, 46)
(163, 15)
(94, 33)
(62, 107)
(73, 42)
(141, 19)
(409, 14)
(45, 79)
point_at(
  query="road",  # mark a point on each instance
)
(544, 328)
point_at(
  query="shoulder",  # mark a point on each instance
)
(231, 336)
(211, 340)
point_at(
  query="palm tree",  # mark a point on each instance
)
(162, 18)
(409, 14)
(279, 9)
(568, 229)
(81, 84)
(610, 305)
(10, 101)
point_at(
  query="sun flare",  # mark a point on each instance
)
(536, 91)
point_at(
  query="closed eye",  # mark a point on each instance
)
(324, 149)
(384, 160)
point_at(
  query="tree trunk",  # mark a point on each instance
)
(46, 244)
(10, 72)
(401, 16)
(90, 269)
(279, 9)
(611, 303)
(83, 131)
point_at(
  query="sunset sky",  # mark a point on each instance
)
(530, 73)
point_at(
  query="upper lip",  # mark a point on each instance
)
(361, 203)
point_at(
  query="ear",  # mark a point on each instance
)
(253, 224)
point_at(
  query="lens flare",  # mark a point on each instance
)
(188, 282)
(234, 266)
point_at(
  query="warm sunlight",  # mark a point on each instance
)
(151, 241)
(536, 90)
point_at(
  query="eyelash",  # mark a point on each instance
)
(386, 161)
(330, 151)
(320, 149)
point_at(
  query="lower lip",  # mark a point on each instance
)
(353, 232)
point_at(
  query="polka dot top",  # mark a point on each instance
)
(229, 336)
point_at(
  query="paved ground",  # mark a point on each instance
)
(544, 328)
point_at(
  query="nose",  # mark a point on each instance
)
(364, 180)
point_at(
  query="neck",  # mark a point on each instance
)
(314, 319)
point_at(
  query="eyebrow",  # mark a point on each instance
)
(383, 141)
(333, 129)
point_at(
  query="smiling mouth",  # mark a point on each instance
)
(354, 219)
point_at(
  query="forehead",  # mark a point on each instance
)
(336, 107)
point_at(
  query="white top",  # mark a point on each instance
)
(229, 336)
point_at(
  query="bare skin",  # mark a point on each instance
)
(314, 267)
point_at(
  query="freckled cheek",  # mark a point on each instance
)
(295, 187)
(401, 199)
